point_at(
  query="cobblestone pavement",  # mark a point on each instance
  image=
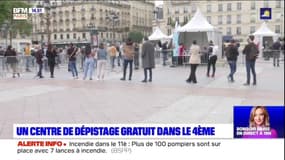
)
(168, 99)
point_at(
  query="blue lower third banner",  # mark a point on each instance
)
(122, 131)
(259, 122)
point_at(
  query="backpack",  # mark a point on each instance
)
(253, 52)
(227, 51)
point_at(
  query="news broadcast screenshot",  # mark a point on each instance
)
(141, 80)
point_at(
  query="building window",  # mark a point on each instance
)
(209, 19)
(229, 7)
(67, 36)
(252, 29)
(278, 4)
(193, 8)
(266, 4)
(220, 20)
(102, 35)
(42, 37)
(83, 35)
(177, 19)
(74, 35)
(185, 10)
(61, 36)
(54, 36)
(252, 18)
(209, 8)
(229, 19)
(229, 31)
(239, 6)
(220, 7)
(238, 19)
(177, 11)
(238, 30)
(252, 5)
(277, 29)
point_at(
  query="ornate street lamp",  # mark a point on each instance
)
(93, 34)
(5, 29)
(47, 6)
(114, 18)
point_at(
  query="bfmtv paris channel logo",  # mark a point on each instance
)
(23, 13)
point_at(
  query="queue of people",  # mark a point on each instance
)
(129, 53)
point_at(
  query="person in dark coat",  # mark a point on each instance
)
(276, 47)
(39, 59)
(136, 58)
(11, 54)
(147, 59)
(51, 55)
(251, 53)
(164, 52)
(232, 54)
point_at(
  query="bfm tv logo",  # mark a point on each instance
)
(22, 13)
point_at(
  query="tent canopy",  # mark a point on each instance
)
(197, 24)
(157, 35)
(264, 31)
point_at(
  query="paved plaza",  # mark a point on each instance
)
(168, 99)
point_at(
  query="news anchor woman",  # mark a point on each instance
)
(259, 119)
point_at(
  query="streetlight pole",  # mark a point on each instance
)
(5, 29)
(113, 18)
(48, 7)
(93, 34)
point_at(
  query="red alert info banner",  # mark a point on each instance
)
(136, 142)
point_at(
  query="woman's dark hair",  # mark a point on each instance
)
(49, 47)
(101, 46)
(129, 41)
(194, 42)
(9, 47)
(251, 37)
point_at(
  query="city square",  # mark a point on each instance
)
(29, 98)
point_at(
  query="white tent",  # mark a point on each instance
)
(264, 31)
(157, 35)
(264, 36)
(199, 29)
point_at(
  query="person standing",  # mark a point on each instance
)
(39, 59)
(251, 52)
(128, 58)
(195, 60)
(232, 54)
(11, 56)
(89, 63)
(27, 51)
(212, 59)
(112, 54)
(51, 55)
(164, 52)
(136, 57)
(148, 62)
(101, 61)
(276, 47)
(71, 52)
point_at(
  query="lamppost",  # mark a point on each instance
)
(5, 29)
(282, 25)
(93, 34)
(155, 14)
(114, 18)
(47, 6)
